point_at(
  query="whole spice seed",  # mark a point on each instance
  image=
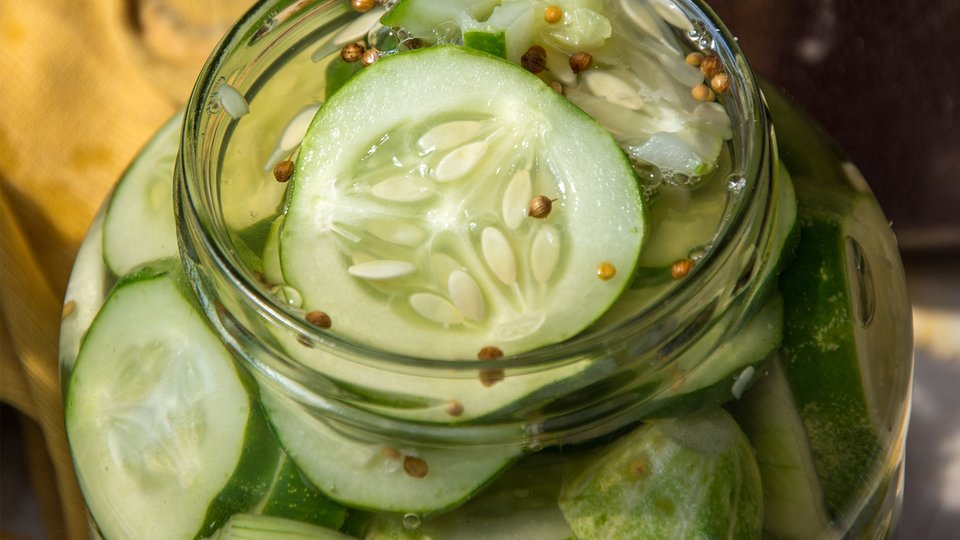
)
(557, 87)
(283, 170)
(539, 207)
(702, 92)
(415, 466)
(319, 319)
(490, 353)
(681, 268)
(491, 376)
(580, 62)
(552, 13)
(454, 408)
(363, 6)
(606, 271)
(694, 59)
(535, 59)
(369, 56)
(720, 82)
(390, 452)
(351, 52)
(414, 43)
(710, 66)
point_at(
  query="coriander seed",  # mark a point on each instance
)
(581, 61)
(283, 170)
(534, 60)
(351, 52)
(553, 13)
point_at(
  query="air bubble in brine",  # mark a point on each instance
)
(864, 296)
(411, 522)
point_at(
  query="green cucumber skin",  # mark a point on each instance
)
(294, 497)
(817, 348)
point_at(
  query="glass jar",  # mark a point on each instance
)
(233, 407)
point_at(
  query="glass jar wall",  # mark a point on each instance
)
(759, 357)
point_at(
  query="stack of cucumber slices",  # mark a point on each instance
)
(449, 203)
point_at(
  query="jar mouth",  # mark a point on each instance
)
(243, 61)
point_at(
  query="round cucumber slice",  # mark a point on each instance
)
(689, 477)
(408, 210)
(164, 437)
(139, 226)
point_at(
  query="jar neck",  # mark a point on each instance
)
(566, 392)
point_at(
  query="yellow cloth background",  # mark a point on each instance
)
(83, 85)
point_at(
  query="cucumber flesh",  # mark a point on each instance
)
(412, 199)
(156, 435)
(139, 225)
(380, 475)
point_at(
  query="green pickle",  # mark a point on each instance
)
(501, 269)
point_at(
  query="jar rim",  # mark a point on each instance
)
(197, 198)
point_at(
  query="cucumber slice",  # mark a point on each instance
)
(139, 226)
(519, 504)
(689, 477)
(378, 475)
(844, 350)
(793, 503)
(159, 420)
(412, 199)
(710, 378)
(259, 527)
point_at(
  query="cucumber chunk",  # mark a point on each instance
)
(843, 349)
(139, 226)
(158, 417)
(519, 504)
(412, 199)
(689, 477)
(793, 504)
(378, 475)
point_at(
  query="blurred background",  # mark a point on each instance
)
(86, 83)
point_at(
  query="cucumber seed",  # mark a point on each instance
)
(539, 207)
(553, 13)
(283, 170)
(606, 271)
(535, 59)
(415, 466)
(351, 52)
(319, 319)
(681, 268)
(580, 62)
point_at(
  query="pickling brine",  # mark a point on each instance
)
(490, 269)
